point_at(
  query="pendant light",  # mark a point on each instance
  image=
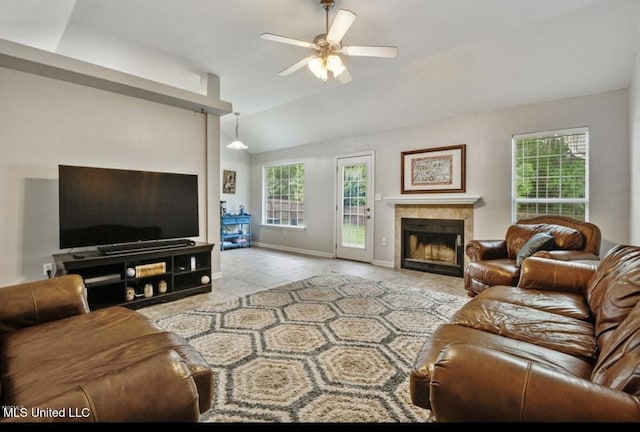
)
(237, 144)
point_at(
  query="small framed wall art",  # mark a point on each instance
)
(440, 169)
(228, 182)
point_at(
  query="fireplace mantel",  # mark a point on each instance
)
(437, 199)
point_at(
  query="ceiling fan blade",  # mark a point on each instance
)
(370, 51)
(287, 40)
(344, 77)
(340, 25)
(294, 67)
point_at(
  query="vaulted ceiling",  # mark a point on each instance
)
(455, 56)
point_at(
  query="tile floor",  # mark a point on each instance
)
(249, 270)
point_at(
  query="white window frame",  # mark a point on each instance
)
(264, 196)
(515, 200)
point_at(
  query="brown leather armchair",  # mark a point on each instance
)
(59, 361)
(494, 262)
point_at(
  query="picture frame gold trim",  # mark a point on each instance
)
(434, 170)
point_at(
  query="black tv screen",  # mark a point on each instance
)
(105, 206)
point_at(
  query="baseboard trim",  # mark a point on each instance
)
(294, 250)
(381, 263)
(216, 275)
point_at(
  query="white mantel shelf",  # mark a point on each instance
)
(436, 199)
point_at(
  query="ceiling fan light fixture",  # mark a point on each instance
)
(237, 144)
(318, 66)
(335, 65)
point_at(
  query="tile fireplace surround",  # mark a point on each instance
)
(458, 206)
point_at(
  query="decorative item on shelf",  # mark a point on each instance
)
(241, 210)
(223, 208)
(162, 286)
(151, 269)
(148, 290)
(131, 293)
(205, 279)
(131, 272)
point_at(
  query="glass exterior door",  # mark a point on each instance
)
(354, 211)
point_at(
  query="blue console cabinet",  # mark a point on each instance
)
(235, 231)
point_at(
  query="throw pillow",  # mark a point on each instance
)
(537, 242)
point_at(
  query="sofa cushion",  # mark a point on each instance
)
(445, 334)
(563, 303)
(557, 332)
(517, 235)
(565, 237)
(537, 242)
(614, 290)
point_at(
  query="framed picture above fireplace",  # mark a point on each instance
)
(439, 169)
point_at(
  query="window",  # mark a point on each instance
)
(551, 174)
(284, 195)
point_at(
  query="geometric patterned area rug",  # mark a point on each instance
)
(330, 348)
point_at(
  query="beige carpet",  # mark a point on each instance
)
(330, 348)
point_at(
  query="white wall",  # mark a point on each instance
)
(45, 122)
(488, 140)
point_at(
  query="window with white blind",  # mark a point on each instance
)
(550, 174)
(283, 195)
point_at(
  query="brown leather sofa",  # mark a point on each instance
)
(494, 262)
(61, 362)
(562, 346)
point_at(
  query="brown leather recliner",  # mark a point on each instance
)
(494, 262)
(562, 346)
(59, 361)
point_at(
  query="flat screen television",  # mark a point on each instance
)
(107, 206)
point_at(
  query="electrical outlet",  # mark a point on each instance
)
(384, 241)
(47, 268)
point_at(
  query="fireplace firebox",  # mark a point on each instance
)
(433, 245)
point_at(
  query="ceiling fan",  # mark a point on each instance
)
(328, 45)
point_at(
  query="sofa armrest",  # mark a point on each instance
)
(157, 389)
(46, 300)
(552, 275)
(472, 383)
(478, 250)
(568, 255)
